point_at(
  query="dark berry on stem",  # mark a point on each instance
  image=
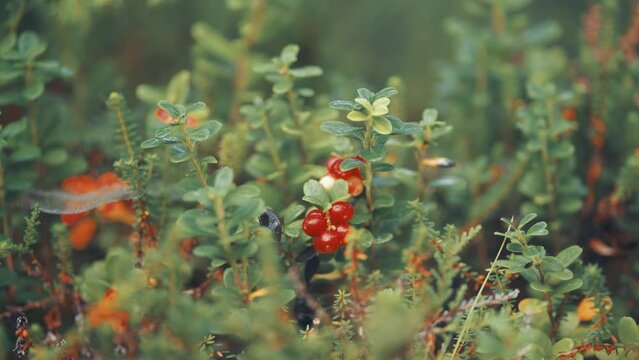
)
(341, 212)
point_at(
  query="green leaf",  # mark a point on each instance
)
(30, 46)
(25, 153)
(178, 88)
(382, 238)
(569, 255)
(150, 143)
(382, 125)
(560, 275)
(7, 42)
(9, 74)
(315, 194)
(34, 90)
(430, 116)
(344, 105)
(56, 156)
(536, 285)
(403, 128)
(385, 92)
(149, 94)
(383, 167)
(208, 160)
(383, 200)
(196, 222)
(228, 279)
(213, 41)
(14, 128)
(179, 154)
(292, 212)
(514, 247)
(306, 71)
(568, 286)
(245, 249)
(282, 87)
(181, 157)
(164, 131)
(339, 128)
(173, 111)
(374, 154)
(223, 180)
(526, 219)
(199, 134)
(628, 332)
(366, 94)
(339, 191)
(241, 194)
(213, 126)
(350, 163)
(363, 237)
(195, 107)
(562, 345)
(289, 53)
(550, 264)
(208, 251)
(538, 229)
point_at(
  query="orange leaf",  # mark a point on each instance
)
(72, 219)
(82, 233)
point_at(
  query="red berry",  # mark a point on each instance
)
(355, 171)
(335, 169)
(355, 185)
(341, 212)
(334, 163)
(342, 229)
(314, 223)
(330, 161)
(327, 242)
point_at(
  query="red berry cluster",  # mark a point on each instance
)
(352, 176)
(329, 229)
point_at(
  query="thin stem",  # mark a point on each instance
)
(503, 194)
(31, 108)
(225, 240)
(292, 102)
(6, 227)
(125, 134)
(420, 154)
(142, 222)
(368, 180)
(16, 21)
(190, 147)
(462, 334)
(241, 65)
(498, 17)
(546, 163)
(271, 141)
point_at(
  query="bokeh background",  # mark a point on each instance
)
(357, 43)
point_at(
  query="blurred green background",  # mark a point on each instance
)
(357, 42)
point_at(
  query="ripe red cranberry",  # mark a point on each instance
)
(335, 170)
(341, 212)
(331, 160)
(355, 185)
(327, 242)
(342, 229)
(314, 223)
